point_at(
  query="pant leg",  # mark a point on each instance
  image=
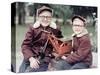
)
(23, 66)
(80, 66)
(61, 65)
(42, 67)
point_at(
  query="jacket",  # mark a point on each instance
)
(81, 49)
(35, 39)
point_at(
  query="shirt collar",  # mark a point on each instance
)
(81, 34)
(52, 25)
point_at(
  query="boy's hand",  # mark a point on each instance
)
(64, 57)
(34, 63)
(55, 54)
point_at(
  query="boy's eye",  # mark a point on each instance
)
(47, 17)
(77, 25)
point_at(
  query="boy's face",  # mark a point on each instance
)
(45, 18)
(78, 26)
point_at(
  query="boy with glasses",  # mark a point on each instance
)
(35, 48)
(81, 55)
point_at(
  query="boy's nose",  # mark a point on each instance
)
(45, 18)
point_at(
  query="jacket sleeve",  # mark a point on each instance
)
(81, 53)
(26, 45)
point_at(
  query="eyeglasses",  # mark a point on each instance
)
(47, 17)
(78, 25)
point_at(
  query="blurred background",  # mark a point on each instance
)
(24, 14)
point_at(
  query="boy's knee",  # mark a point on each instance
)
(23, 66)
(60, 65)
(79, 66)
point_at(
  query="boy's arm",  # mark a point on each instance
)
(26, 45)
(81, 53)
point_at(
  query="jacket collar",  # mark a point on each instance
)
(52, 25)
(81, 34)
